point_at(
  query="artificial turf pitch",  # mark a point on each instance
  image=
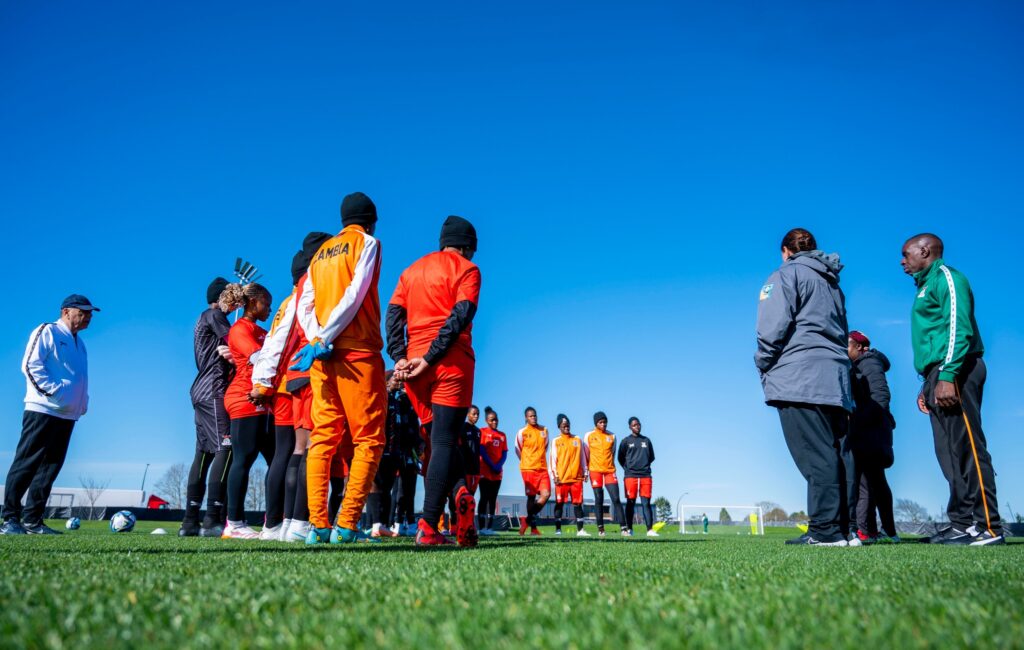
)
(92, 588)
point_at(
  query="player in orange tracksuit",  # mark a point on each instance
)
(600, 445)
(292, 402)
(532, 450)
(569, 468)
(339, 311)
(429, 326)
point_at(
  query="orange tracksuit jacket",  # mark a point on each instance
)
(600, 451)
(568, 459)
(339, 305)
(532, 449)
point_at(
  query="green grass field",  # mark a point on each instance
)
(92, 588)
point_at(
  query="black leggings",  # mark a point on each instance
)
(613, 494)
(408, 475)
(250, 437)
(213, 466)
(488, 501)
(284, 444)
(645, 508)
(445, 474)
(874, 494)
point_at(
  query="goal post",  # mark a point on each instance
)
(726, 519)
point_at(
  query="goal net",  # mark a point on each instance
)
(720, 520)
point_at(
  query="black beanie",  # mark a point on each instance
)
(459, 233)
(357, 208)
(310, 245)
(561, 417)
(600, 416)
(215, 289)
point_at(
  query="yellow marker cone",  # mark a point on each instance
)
(658, 526)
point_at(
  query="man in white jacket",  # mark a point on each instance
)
(57, 394)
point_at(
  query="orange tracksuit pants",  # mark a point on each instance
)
(349, 410)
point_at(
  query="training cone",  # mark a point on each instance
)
(658, 526)
(802, 527)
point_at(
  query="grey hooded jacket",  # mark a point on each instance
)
(802, 333)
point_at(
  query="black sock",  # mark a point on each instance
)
(579, 516)
(195, 489)
(216, 488)
(337, 494)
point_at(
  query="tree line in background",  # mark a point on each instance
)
(173, 488)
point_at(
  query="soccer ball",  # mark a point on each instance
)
(73, 524)
(122, 522)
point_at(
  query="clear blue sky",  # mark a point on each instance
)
(630, 169)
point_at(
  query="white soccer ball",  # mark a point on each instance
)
(159, 531)
(73, 524)
(122, 522)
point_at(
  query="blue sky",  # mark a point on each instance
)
(630, 170)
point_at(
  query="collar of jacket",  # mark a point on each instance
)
(922, 276)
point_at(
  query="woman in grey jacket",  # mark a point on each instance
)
(805, 371)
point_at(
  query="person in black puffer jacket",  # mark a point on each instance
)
(870, 439)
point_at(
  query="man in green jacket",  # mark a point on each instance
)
(947, 353)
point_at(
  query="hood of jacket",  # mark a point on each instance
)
(825, 264)
(874, 356)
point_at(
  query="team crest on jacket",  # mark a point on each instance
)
(921, 295)
(766, 291)
(575, 443)
(607, 438)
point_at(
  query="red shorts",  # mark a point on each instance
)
(283, 410)
(302, 405)
(536, 481)
(472, 482)
(449, 383)
(572, 492)
(634, 485)
(599, 480)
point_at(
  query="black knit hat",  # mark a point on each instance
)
(459, 233)
(357, 208)
(310, 245)
(600, 416)
(562, 417)
(214, 290)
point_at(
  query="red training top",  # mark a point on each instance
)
(245, 338)
(428, 290)
(492, 443)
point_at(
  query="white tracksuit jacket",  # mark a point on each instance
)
(56, 372)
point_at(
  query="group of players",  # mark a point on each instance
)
(337, 432)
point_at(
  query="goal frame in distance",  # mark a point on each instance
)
(681, 509)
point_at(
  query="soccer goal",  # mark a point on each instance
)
(721, 520)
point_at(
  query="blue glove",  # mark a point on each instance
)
(303, 359)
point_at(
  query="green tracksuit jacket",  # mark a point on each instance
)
(942, 321)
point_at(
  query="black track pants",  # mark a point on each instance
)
(962, 450)
(814, 436)
(37, 461)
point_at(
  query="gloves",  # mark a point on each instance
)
(224, 352)
(315, 351)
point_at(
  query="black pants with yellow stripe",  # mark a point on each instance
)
(962, 451)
